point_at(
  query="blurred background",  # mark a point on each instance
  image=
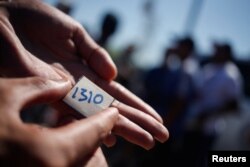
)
(189, 59)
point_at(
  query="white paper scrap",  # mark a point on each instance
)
(87, 98)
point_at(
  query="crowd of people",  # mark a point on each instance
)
(199, 100)
(200, 103)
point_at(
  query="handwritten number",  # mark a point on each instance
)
(83, 95)
(74, 94)
(88, 96)
(98, 99)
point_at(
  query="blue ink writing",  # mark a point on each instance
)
(98, 99)
(84, 96)
(74, 94)
(88, 96)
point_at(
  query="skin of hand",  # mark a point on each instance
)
(34, 145)
(56, 38)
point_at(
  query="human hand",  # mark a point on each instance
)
(56, 37)
(24, 144)
(17, 61)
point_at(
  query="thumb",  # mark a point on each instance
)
(28, 91)
(84, 136)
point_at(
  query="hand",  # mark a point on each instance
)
(15, 60)
(33, 145)
(61, 39)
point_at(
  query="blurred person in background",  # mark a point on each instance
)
(65, 6)
(129, 75)
(109, 26)
(169, 87)
(125, 66)
(170, 90)
(219, 94)
(220, 82)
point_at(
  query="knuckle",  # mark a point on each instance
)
(40, 82)
(79, 26)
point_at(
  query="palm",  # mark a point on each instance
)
(51, 37)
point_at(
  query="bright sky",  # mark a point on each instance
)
(221, 20)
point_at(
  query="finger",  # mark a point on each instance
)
(116, 90)
(68, 115)
(156, 129)
(37, 90)
(125, 96)
(85, 135)
(133, 133)
(113, 88)
(95, 56)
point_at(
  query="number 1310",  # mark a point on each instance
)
(89, 96)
